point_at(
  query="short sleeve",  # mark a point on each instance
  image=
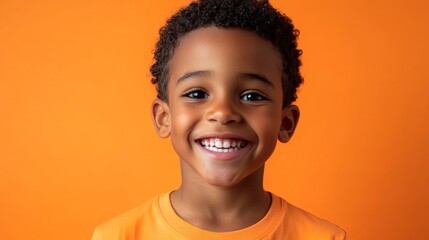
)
(341, 235)
(96, 235)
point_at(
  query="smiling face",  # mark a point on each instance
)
(224, 111)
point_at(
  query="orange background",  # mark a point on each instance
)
(77, 145)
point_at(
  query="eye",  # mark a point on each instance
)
(252, 96)
(196, 94)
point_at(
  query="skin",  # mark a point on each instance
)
(224, 85)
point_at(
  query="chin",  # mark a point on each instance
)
(223, 181)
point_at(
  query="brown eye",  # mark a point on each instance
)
(196, 94)
(252, 96)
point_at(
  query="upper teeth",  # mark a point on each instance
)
(222, 143)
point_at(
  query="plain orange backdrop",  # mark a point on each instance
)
(77, 145)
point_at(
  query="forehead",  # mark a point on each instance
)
(225, 51)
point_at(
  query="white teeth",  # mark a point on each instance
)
(222, 145)
(218, 143)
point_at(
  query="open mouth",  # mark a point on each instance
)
(222, 145)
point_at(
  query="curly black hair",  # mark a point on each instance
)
(256, 16)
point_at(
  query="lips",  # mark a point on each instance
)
(222, 144)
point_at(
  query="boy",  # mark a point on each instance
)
(226, 73)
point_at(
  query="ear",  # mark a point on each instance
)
(290, 117)
(161, 117)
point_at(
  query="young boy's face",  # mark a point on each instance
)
(224, 111)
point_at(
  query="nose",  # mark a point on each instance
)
(223, 111)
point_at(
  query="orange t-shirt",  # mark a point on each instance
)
(156, 219)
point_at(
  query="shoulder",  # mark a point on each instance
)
(303, 225)
(126, 225)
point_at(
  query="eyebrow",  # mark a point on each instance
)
(254, 76)
(257, 77)
(192, 74)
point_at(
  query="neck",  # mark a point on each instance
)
(220, 209)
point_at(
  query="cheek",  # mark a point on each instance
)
(268, 127)
(270, 140)
(182, 121)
